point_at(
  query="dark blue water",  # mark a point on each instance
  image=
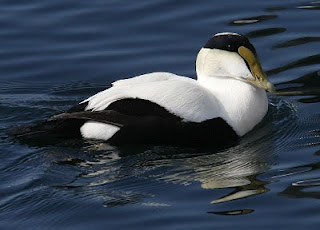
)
(54, 54)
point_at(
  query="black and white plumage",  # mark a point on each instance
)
(226, 101)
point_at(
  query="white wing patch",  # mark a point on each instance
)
(181, 96)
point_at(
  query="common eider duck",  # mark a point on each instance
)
(227, 100)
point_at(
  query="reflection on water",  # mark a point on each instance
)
(314, 5)
(265, 32)
(306, 188)
(260, 18)
(308, 84)
(296, 42)
(236, 167)
(234, 212)
(311, 60)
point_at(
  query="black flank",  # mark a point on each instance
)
(140, 122)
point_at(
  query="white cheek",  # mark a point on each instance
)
(238, 67)
(220, 63)
(98, 130)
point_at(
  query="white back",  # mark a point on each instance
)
(181, 96)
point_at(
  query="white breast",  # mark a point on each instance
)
(244, 105)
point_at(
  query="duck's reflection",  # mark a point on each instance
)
(113, 171)
(306, 188)
(236, 167)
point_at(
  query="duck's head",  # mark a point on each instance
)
(232, 55)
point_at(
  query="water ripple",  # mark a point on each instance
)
(251, 20)
(296, 42)
(313, 6)
(310, 60)
(308, 84)
(265, 32)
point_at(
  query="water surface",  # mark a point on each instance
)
(55, 54)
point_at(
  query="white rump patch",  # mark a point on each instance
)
(98, 130)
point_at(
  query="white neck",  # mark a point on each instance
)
(244, 105)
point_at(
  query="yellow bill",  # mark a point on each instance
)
(260, 78)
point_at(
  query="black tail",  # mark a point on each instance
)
(63, 126)
(48, 131)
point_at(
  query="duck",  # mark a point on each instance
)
(226, 101)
